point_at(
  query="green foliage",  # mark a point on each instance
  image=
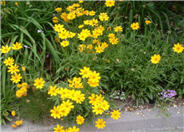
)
(125, 67)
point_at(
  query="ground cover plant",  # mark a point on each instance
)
(77, 56)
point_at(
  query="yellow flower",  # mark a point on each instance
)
(115, 114)
(118, 29)
(67, 104)
(81, 47)
(74, 129)
(85, 72)
(84, 34)
(109, 3)
(111, 35)
(64, 17)
(9, 61)
(64, 43)
(56, 112)
(92, 99)
(23, 68)
(53, 91)
(13, 113)
(58, 9)
(19, 122)
(13, 68)
(100, 124)
(80, 120)
(147, 22)
(178, 48)
(97, 109)
(16, 78)
(94, 78)
(3, 3)
(113, 41)
(71, 16)
(135, 26)
(39, 83)
(79, 97)
(5, 49)
(14, 126)
(16, 3)
(59, 129)
(103, 17)
(92, 13)
(81, 26)
(81, 1)
(55, 19)
(155, 58)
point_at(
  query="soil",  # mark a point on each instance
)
(130, 105)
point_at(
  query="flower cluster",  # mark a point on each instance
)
(17, 123)
(99, 105)
(13, 68)
(92, 76)
(91, 32)
(78, 93)
(168, 93)
(6, 49)
(22, 91)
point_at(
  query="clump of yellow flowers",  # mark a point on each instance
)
(79, 91)
(91, 33)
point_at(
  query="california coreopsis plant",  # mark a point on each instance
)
(136, 53)
(80, 100)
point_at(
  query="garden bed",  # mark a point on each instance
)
(79, 62)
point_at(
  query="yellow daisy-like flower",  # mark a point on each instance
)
(16, 3)
(64, 17)
(72, 129)
(118, 29)
(58, 9)
(23, 68)
(81, 1)
(85, 72)
(103, 17)
(109, 3)
(178, 48)
(80, 120)
(39, 83)
(155, 58)
(55, 19)
(3, 3)
(135, 26)
(64, 43)
(59, 129)
(13, 68)
(5, 49)
(16, 78)
(19, 122)
(100, 124)
(14, 126)
(13, 113)
(71, 16)
(81, 26)
(148, 22)
(9, 61)
(53, 91)
(115, 114)
(56, 112)
(16, 46)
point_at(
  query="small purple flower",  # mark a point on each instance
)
(168, 93)
(47, 56)
(25, 46)
(40, 31)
